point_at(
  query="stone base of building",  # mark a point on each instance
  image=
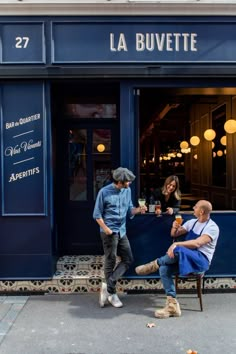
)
(83, 274)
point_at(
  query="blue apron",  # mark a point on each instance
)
(191, 261)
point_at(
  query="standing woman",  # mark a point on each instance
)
(169, 196)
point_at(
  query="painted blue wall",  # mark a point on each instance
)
(150, 238)
(26, 228)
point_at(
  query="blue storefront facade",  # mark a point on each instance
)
(47, 65)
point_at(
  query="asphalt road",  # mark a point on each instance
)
(66, 324)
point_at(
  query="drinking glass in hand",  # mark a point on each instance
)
(141, 202)
(158, 208)
(179, 219)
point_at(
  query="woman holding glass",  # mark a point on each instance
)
(168, 196)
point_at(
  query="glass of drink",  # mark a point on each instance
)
(141, 202)
(158, 208)
(179, 219)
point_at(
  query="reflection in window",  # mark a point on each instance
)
(77, 164)
(219, 149)
(91, 110)
(102, 164)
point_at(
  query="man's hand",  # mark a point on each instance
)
(170, 251)
(143, 209)
(108, 231)
(175, 225)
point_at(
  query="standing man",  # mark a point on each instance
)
(112, 205)
(194, 254)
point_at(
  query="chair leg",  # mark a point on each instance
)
(199, 287)
(199, 291)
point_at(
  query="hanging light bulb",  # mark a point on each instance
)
(230, 126)
(209, 134)
(223, 140)
(212, 144)
(194, 140)
(179, 154)
(219, 153)
(100, 148)
(184, 144)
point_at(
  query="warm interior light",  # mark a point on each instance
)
(195, 156)
(225, 151)
(194, 140)
(209, 134)
(100, 148)
(179, 154)
(214, 154)
(212, 144)
(230, 126)
(184, 151)
(184, 144)
(219, 153)
(223, 140)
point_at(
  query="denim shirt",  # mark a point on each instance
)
(112, 205)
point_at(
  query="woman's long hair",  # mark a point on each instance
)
(176, 192)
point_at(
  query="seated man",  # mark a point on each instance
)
(194, 254)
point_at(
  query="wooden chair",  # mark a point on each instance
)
(193, 277)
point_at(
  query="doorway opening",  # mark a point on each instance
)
(86, 150)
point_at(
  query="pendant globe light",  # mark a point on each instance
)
(223, 140)
(194, 140)
(184, 144)
(230, 126)
(209, 134)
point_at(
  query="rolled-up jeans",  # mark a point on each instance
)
(168, 267)
(114, 245)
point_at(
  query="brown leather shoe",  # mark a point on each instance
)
(147, 268)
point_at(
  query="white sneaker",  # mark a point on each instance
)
(103, 296)
(114, 300)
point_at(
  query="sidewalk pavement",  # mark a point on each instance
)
(74, 323)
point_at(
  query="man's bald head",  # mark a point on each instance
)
(205, 205)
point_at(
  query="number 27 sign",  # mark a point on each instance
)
(23, 43)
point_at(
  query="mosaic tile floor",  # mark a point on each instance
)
(80, 274)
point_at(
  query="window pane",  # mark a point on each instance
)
(91, 110)
(219, 157)
(102, 159)
(77, 164)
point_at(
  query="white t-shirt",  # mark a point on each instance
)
(209, 228)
